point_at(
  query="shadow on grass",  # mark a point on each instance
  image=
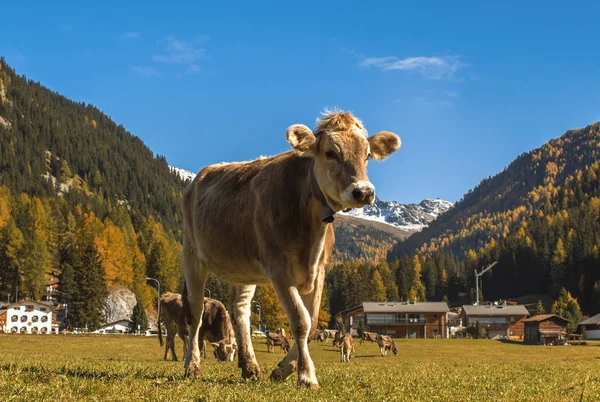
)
(513, 342)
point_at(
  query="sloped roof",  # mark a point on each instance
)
(405, 307)
(495, 311)
(24, 302)
(544, 317)
(592, 320)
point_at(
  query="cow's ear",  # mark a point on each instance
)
(300, 137)
(214, 344)
(383, 144)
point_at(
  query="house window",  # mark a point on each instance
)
(512, 332)
(43, 309)
(23, 318)
(29, 307)
(512, 319)
(16, 308)
(35, 318)
(14, 329)
(44, 330)
(34, 330)
(44, 318)
(14, 318)
(23, 329)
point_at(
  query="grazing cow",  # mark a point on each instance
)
(216, 327)
(368, 336)
(277, 340)
(321, 336)
(269, 221)
(346, 346)
(386, 343)
(337, 339)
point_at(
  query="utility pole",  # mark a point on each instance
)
(259, 315)
(477, 275)
(158, 304)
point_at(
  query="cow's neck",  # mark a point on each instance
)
(327, 213)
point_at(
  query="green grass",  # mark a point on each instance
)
(63, 368)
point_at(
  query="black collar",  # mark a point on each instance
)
(327, 213)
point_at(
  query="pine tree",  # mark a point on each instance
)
(540, 308)
(139, 320)
(376, 288)
(88, 300)
(557, 267)
(567, 307)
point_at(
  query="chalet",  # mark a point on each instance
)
(546, 329)
(27, 317)
(400, 319)
(497, 321)
(591, 327)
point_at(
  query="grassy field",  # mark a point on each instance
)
(63, 368)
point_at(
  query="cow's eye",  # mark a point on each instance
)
(331, 155)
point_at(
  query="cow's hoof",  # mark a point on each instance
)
(193, 372)
(251, 373)
(308, 383)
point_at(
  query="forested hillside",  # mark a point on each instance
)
(81, 199)
(539, 218)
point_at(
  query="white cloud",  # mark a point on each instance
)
(181, 52)
(436, 68)
(130, 35)
(145, 71)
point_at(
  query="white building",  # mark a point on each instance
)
(27, 317)
(117, 327)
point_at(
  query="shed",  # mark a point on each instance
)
(591, 326)
(546, 329)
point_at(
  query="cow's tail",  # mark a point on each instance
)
(160, 337)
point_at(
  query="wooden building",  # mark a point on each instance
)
(501, 321)
(400, 319)
(591, 327)
(546, 329)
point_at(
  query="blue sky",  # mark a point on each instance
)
(467, 86)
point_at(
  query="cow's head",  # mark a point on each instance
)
(395, 350)
(341, 150)
(224, 351)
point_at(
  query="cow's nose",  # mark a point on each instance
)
(363, 194)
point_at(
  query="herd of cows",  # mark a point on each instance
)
(217, 331)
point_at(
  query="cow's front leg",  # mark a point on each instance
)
(300, 324)
(240, 301)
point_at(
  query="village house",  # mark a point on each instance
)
(27, 317)
(591, 327)
(400, 319)
(546, 329)
(501, 321)
(117, 327)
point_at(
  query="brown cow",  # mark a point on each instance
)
(346, 346)
(277, 340)
(337, 339)
(368, 336)
(269, 220)
(386, 343)
(216, 325)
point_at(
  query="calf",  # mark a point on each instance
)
(346, 346)
(386, 343)
(277, 340)
(337, 339)
(216, 327)
(368, 336)
(269, 221)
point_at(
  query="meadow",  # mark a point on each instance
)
(68, 368)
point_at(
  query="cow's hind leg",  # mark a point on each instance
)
(240, 300)
(195, 279)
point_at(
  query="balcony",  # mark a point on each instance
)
(493, 325)
(395, 321)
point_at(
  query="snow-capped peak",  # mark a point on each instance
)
(405, 216)
(182, 173)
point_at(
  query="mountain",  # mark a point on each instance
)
(412, 217)
(539, 218)
(183, 174)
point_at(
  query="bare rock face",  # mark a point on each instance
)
(119, 304)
